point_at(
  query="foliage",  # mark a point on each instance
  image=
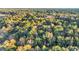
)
(39, 30)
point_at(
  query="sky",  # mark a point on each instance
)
(39, 4)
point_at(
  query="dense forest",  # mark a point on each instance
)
(39, 29)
